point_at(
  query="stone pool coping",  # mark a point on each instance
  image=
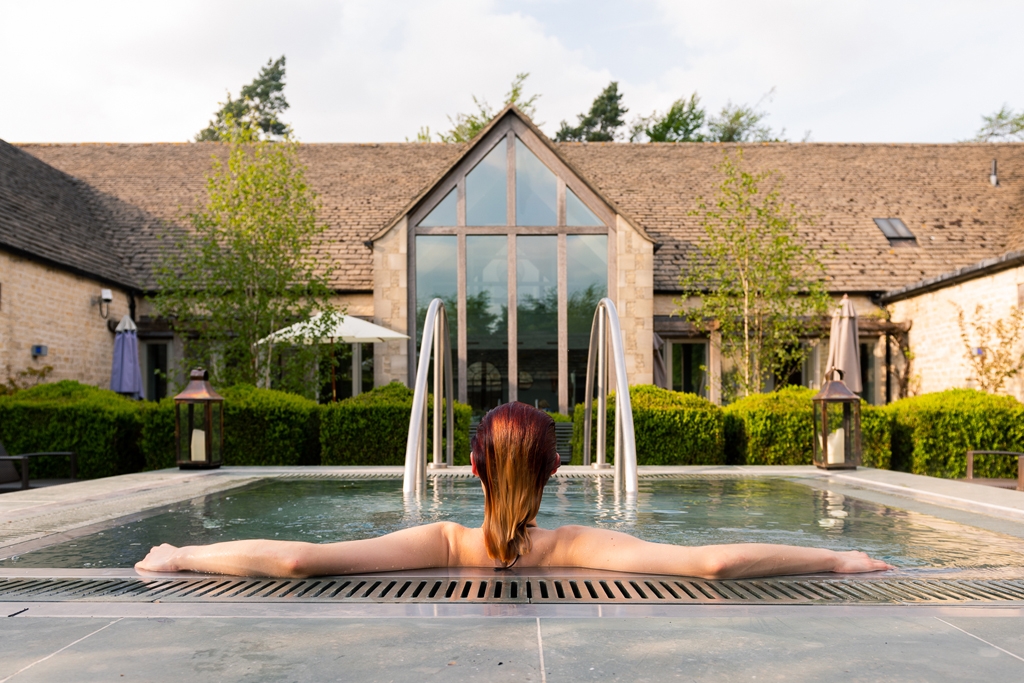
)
(39, 515)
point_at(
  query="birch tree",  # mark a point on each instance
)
(757, 284)
(247, 266)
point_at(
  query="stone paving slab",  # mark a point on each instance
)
(739, 648)
(284, 650)
(787, 649)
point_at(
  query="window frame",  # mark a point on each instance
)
(505, 132)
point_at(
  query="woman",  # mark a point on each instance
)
(513, 453)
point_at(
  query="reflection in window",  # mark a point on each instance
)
(587, 283)
(486, 321)
(536, 189)
(689, 362)
(445, 213)
(576, 212)
(537, 320)
(436, 277)
(486, 189)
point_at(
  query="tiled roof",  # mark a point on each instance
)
(941, 192)
(146, 190)
(51, 215)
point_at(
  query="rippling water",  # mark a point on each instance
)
(688, 512)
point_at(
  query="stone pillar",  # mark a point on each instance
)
(634, 298)
(391, 303)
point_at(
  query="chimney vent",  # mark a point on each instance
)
(994, 177)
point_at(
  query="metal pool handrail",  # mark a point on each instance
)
(436, 339)
(604, 332)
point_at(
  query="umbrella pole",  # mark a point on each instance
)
(334, 382)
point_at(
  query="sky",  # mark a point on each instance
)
(378, 70)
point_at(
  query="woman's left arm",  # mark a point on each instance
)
(415, 548)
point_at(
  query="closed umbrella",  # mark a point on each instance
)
(843, 345)
(126, 374)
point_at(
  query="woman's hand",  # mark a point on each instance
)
(856, 562)
(161, 558)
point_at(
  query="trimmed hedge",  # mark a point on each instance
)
(778, 429)
(771, 429)
(932, 433)
(672, 428)
(372, 428)
(261, 427)
(102, 427)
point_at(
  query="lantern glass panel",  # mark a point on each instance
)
(837, 441)
(198, 426)
(818, 454)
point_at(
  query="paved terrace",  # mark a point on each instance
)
(105, 640)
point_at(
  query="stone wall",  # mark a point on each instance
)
(42, 305)
(634, 299)
(391, 303)
(939, 360)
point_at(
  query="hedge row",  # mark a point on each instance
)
(114, 435)
(778, 429)
(261, 427)
(102, 427)
(671, 428)
(371, 429)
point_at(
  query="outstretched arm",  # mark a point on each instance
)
(612, 550)
(414, 548)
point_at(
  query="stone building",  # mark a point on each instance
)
(520, 235)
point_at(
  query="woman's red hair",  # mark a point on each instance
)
(514, 455)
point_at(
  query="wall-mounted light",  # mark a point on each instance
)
(103, 301)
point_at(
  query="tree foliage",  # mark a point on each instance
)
(259, 106)
(759, 287)
(683, 122)
(246, 268)
(601, 123)
(1006, 125)
(687, 121)
(465, 127)
(992, 348)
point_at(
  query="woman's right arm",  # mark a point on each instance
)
(616, 551)
(414, 548)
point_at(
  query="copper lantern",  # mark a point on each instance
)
(198, 424)
(836, 425)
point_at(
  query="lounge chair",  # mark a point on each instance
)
(8, 473)
(1001, 483)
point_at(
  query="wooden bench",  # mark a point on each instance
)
(9, 474)
(1001, 483)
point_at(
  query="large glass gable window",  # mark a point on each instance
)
(521, 261)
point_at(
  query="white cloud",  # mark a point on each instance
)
(361, 71)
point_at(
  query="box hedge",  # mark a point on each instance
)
(261, 427)
(777, 428)
(671, 428)
(932, 433)
(102, 427)
(372, 428)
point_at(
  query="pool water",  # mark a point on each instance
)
(684, 511)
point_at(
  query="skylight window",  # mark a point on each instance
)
(895, 231)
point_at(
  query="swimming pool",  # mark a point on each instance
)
(692, 511)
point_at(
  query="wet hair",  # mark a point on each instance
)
(514, 455)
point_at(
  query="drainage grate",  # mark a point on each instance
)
(605, 589)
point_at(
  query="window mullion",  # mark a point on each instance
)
(513, 323)
(510, 179)
(563, 327)
(461, 346)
